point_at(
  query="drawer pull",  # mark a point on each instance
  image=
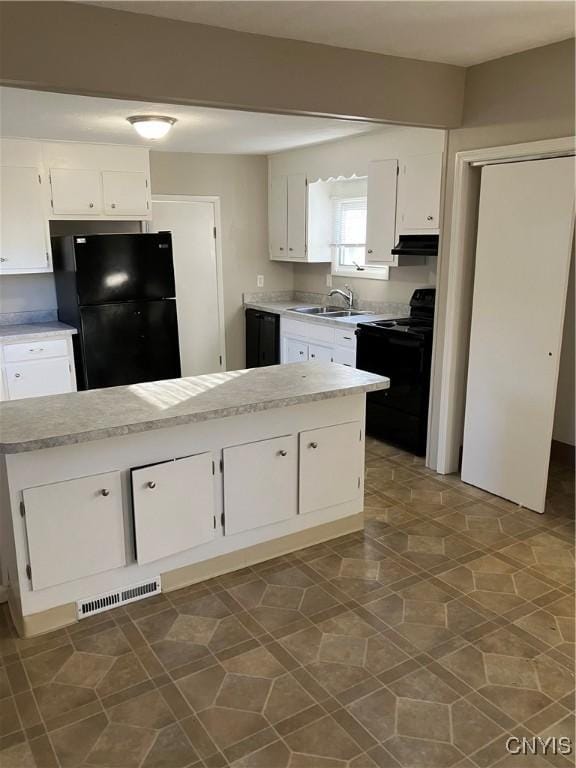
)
(314, 445)
(36, 349)
(151, 484)
(282, 453)
(105, 492)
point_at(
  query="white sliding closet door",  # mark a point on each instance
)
(525, 231)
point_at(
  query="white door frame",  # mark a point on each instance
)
(215, 200)
(451, 361)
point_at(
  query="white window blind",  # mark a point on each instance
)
(349, 221)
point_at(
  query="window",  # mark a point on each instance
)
(349, 215)
(349, 243)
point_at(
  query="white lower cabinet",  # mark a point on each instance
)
(36, 378)
(74, 528)
(330, 466)
(260, 483)
(174, 506)
(294, 351)
(302, 341)
(320, 354)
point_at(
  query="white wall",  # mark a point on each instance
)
(346, 157)
(565, 415)
(241, 183)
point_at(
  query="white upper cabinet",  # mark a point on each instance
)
(76, 191)
(125, 192)
(288, 217)
(297, 203)
(278, 215)
(24, 238)
(419, 185)
(102, 181)
(381, 212)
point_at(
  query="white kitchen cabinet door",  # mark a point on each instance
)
(76, 191)
(381, 212)
(525, 239)
(24, 242)
(294, 351)
(260, 483)
(330, 466)
(278, 217)
(125, 193)
(320, 354)
(36, 378)
(174, 506)
(297, 205)
(75, 529)
(419, 194)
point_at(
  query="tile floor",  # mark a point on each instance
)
(424, 642)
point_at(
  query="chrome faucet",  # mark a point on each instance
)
(349, 295)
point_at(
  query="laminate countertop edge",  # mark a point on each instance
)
(48, 422)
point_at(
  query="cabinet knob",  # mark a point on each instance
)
(290, 249)
(104, 492)
(113, 205)
(3, 258)
(90, 205)
(282, 453)
(281, 248)
(151, 484)
(429, 218)
(17, 375)
(313, 445)
(370, 250)
(311, 354)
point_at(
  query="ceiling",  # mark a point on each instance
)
(461, 32)
(66, 117)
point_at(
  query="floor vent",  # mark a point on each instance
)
(119, 597)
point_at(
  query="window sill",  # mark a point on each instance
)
(382, 273)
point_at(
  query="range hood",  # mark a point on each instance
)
(416, 245)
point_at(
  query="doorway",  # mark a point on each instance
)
(458, 296)
(195, 225)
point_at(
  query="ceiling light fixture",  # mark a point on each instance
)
(151, 126)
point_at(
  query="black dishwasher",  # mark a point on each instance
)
(262, 338)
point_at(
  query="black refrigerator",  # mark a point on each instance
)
(118, 292)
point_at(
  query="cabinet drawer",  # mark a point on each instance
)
(345, 356)
(345, 337)
(260, 483)
(312, 331)
(75, 528)
(33, 350)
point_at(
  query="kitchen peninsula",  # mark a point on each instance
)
(111, 494)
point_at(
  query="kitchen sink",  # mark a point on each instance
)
(349, 313)
(332, 311)
(316, 310)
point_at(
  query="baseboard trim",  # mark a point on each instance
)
(65, 615)
(563, 453)
(259, 553)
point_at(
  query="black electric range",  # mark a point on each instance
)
(402, 350)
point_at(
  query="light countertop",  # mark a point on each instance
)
(46, 422)
(31, 331)
(284, 308)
